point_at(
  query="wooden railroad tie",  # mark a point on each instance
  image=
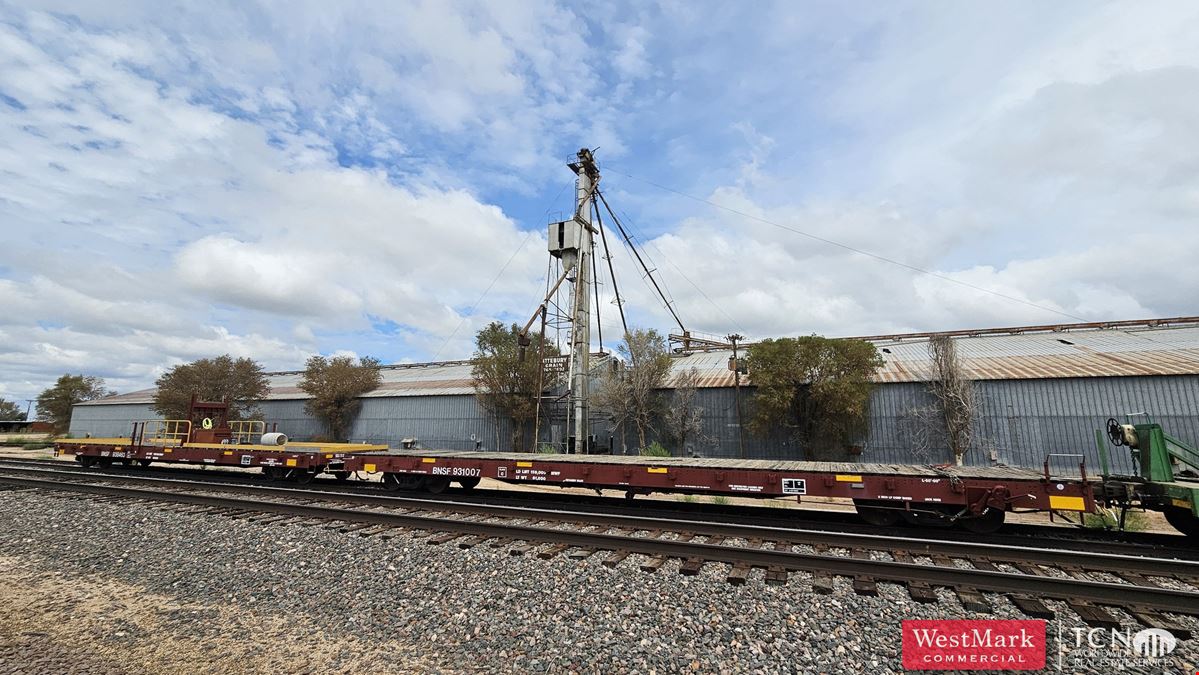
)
(738, 574)
(443, 538)
(921, 592)
(1152, 619)
(1033, 607)
(546, 554)
(1093, 615)
(865, 586)
(972, 600)
(653, 564)
(691, 566)
(615, 558)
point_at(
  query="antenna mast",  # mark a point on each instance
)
(571, 241)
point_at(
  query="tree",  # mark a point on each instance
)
(335, 385)
(506, 376)
(239, 382)
(632, 394)
(816, 388)
(954, 393)
(684, 420)
(54, 404)
(10, 412)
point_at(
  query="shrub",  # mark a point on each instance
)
(720, 499)
(547, 449)
(654, 449)
(1134, 521)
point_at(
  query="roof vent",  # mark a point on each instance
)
(1065, 342)
(887, 351)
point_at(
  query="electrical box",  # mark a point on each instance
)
(565, 236)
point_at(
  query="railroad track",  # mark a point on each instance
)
(1038, 536)
(1087, 582)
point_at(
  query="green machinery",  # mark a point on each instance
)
(1167, 477)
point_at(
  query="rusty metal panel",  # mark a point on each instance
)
(1081, 353)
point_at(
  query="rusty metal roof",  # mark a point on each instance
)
(1089, 352)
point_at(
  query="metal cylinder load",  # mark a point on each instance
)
(273, 438)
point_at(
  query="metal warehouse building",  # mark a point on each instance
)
(1039, 390)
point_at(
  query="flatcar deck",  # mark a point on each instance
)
(985, 472)
(890, 486)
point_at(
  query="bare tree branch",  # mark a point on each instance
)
(954, 393)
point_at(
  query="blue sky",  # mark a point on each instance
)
(276, 181)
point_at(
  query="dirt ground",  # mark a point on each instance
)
(53, 624)
(1148, 521)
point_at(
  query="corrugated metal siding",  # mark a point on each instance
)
(446, 422)
(1019, 422)
(107, 421)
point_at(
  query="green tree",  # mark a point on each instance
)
(816, 388)
(10, 412)
(335, 385)
(54, 404)
(632, 395)
(239, 382)
(506, 376)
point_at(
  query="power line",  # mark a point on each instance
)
(650, 242)
(494, 280)
(847, 247)
(499, 274)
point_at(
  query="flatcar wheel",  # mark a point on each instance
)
(437, 485)
(85, 461)
(303, 476)
(274, 472)
(104, 462)
(990, 521)
(144, 462)
(1183, 520)
(876, 515)
(391, 482)
(341, 476)
(468, 483)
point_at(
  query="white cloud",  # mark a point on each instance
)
(156, 229)
(275, 183)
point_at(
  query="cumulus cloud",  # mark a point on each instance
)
(278, 183)
(151, 227)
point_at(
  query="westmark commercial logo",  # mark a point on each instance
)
(974, 645)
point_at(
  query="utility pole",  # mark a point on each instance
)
(28, 405)
(734, 338)
(571, 241)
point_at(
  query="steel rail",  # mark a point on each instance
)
(1107, 562)
(1123, 595)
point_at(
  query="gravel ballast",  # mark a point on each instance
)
(113, 587)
